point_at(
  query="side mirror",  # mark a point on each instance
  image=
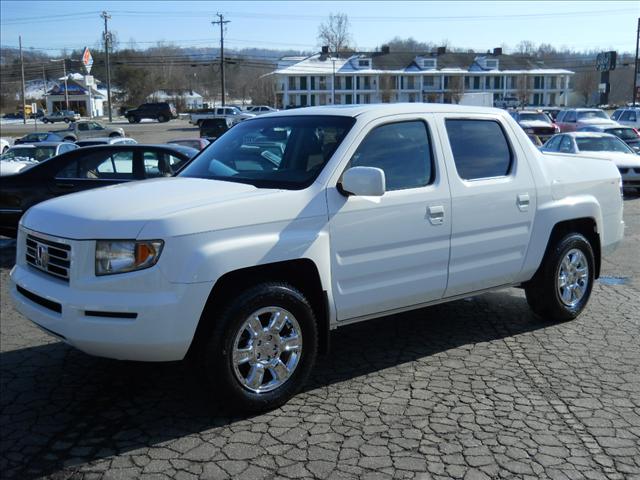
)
(364, 182)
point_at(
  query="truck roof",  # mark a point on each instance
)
(382, 109)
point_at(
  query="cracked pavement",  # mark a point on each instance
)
(475, 389)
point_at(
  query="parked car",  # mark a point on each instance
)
(197, 143)
(572, 119)
(65, 116)
(628, 135)
(84, 169)
(4, 145)
(161, 111)
(507, 102)
(552, 112)
(234, 114)
(212, 128)
(260, 109)
(20, 157)
(535, 122)
(37, 137)
(249, 258)
(90, 142)
(627, 116)
(600, 145)
(83, 129)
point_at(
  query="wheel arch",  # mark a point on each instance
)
(586, 226)
(301, 273)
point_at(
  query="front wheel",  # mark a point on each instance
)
(562, 285)
(262, 347)
(66, 120)
(162, 118)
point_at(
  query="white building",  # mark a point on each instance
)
(192, 100)
(84, 98)
(441, 77)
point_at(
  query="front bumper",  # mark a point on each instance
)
(132, 316)
(630, 177)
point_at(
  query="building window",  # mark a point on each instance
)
(313, 83)
(491, 64)
(476, 83)
(538, 82)
(364, 63)
(553, 82)
(303, 83)
(348, 99)
(429, 63)
(348, 83)
(410, 83)
(323, 83)
(292, 83)
(303, 100)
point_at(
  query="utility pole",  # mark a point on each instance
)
(107, 41)
(24, 101)
(221, 21)
(636, 72)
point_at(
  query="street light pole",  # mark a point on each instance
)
(107, 40)
(636, 73)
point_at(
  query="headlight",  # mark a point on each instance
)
(119, 256)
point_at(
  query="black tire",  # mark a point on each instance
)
(542, 292)
(115, 135)
(218, 344)
(162, 118)
(68, 139)
(131, 119)
(44, 120)
(66, 120)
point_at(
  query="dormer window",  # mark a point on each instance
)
(429, 63)
(491, 64)
(364, 63)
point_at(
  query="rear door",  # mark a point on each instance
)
(493, 201)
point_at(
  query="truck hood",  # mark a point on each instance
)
(122, 211)
(535, 124)
(597, 121)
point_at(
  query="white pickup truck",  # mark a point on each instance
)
(299, 222)
(232, 114)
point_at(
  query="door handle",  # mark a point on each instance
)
(436, 214)
(523, 202)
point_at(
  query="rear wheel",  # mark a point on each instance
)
(262, 347)
(66, 120)
(562, 286)
(69, 139)
(131, 119)
(115, 135)
(44, 120)
(162, 118)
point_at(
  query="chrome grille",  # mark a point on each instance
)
(50, 257)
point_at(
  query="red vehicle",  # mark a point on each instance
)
(572, 119)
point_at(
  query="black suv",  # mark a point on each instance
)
(163, 112)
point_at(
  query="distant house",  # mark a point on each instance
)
(386, 76)
(83, 96)
(192, 100)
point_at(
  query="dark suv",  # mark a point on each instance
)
(162, 111)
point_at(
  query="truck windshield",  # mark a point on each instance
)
(280, 152)
(592, 114)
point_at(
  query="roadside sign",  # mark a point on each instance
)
(87, 59)
(34, 108)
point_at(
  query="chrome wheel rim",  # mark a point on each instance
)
(267, 349)
(573, 277)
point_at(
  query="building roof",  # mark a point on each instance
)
(405, 62)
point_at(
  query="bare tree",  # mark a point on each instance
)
(386, 88)
(586, 84)
(456, 88)
(335, 32)
(522, 90)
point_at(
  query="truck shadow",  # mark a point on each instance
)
(62, 409)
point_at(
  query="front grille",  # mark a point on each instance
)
(56, 307)
(623, 171)
(50, 257)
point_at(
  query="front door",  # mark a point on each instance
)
(391, 252)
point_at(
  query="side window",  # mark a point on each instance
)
(480, 148)
(156, 164)
(83, 127)
(570, 116)
(553, 144)
(100, 165)
(560, 116)
(616, 114)
(565, 145)
(628, 116)
(402, 150)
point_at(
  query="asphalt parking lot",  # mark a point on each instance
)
(475, 389)
(148, 131)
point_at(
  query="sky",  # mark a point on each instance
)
(580, 25)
